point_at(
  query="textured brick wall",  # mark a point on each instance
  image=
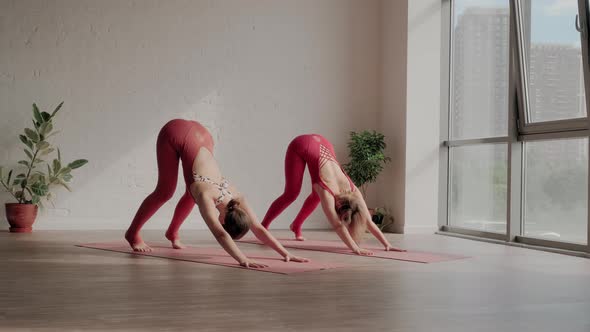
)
(255, 72)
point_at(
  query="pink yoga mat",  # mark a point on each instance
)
(337, 247)
(214, 256)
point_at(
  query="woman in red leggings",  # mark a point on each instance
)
(341, 201)
(224, 210)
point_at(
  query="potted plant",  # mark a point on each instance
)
(383, 218)
(37, 176)
(367, 159)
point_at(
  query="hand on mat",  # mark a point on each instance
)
(390, 248)
(363, 252)
(252, 265)
(290, 258)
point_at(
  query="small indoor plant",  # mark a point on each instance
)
(36, 175)
(367, 160)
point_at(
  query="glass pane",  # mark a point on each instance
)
(556, 190)
(554, 60)
(479, 75)
(478, 187)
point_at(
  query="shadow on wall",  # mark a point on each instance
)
(255, 74)
(424, 15)
(422, 166)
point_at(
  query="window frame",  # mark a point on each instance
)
(519, 131)
(525, 125)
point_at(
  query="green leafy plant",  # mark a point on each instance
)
(32, 184)
(367, 158)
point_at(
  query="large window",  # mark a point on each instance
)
(517, 140)
(553, 57)
(479, 101)
(479, 109)
(478, 187)
(556, 190)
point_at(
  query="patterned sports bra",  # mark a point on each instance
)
(223, 187)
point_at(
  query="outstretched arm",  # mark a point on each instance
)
(209, 213)
(328, 207)
(374, 229)
(266, 237)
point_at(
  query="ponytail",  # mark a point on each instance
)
(232, 205)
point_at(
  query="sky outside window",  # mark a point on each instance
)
(557, 17)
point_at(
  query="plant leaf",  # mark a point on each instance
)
(58, 155)
(77, 163)
(42, 145)
(46, 128)
(36, 199)
(21, 176)
(24, 139)
(46, 116)
(67, 177)
(29, 154)
(35, 177)
(37, 114)
(65, 170)
(57, 109)
(56, 165)
(31, 134)
(39, 188)
(48, 170)
(48, 151)
(24, 162)
(9, 177)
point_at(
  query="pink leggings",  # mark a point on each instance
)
(302, 150)
(177, 140)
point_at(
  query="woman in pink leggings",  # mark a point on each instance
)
(224, 210)
(341, 201)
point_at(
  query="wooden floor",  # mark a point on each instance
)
(48, 284)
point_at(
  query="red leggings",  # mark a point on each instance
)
(177, 140)
(313, 151)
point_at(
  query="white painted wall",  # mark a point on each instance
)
(255, 72)
(410, 111)
(392, 118)
(423, 115)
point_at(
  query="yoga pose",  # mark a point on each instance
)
(341, 201)
(224, 210)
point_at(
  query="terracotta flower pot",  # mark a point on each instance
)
(21, 217)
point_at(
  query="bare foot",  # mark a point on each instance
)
(298, 236)
(176, 244)
(137, 243)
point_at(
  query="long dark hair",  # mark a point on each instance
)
(237, 221)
